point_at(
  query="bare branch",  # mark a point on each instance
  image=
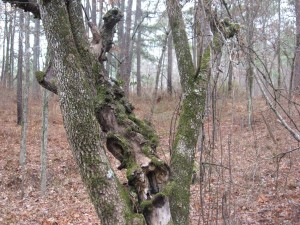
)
(27, 5)
(282, 154)
(295, 134)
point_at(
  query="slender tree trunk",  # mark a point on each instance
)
(121, 39)
(195, 34)
(297, 49)
(44, 142)
(36, 56)
(190, 121)
(265, 57)
(20, 69)
(230, 76)
(170, 65)
(87, 10)
(126, 64)
(162, 75)
(11, 54)
(249, 58)
(26, 90)
(8, 51)
(23, 150)
(158, 72)
(100, 13)
(138, 49)
(3, 75)
(279, 51)
(94, 10)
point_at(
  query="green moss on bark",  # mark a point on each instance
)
(145, 129)
(108, 210)
(156, 162)
(40, 75)
(131, 171)
(131, 217)
(146, 205)
(122, 141)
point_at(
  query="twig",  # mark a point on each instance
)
(282, 154)
(214, 164)
(85, 13)
(269, 129)
(295, 134)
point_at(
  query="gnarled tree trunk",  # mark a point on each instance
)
(91, 105)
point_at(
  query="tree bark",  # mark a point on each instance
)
(100, 12)
(230, 76)
(101, 102)
(77, 110)
(11, 54)
(190, 121)
(3, 72)
(170, 65)
(23, 146)
(44, 141)
(126, 61)
(20, 70)
(279, 80)
(121, 39)
(249, 57)
(94, 10)
(297, 49)
(36, 55)
(138, 50)
(87, 11)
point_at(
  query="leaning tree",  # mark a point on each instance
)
(98, 117)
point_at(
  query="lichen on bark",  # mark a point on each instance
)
(190, 120)
(92, 105)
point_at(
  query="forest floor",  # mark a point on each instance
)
(243, 178)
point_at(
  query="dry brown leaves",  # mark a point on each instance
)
(253, 192)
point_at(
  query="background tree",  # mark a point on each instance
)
(3, 46)
(170, 64)
(138, 47)
(12, 53)
(125, 68)
(36, 55)
(23, 147)
(20, 69)
(297, 51)
(44, 141)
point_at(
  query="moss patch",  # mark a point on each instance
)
(145, 129)
(156, 162)
(40, 75)
(108, 210)
(146, 205)
(130, 173)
